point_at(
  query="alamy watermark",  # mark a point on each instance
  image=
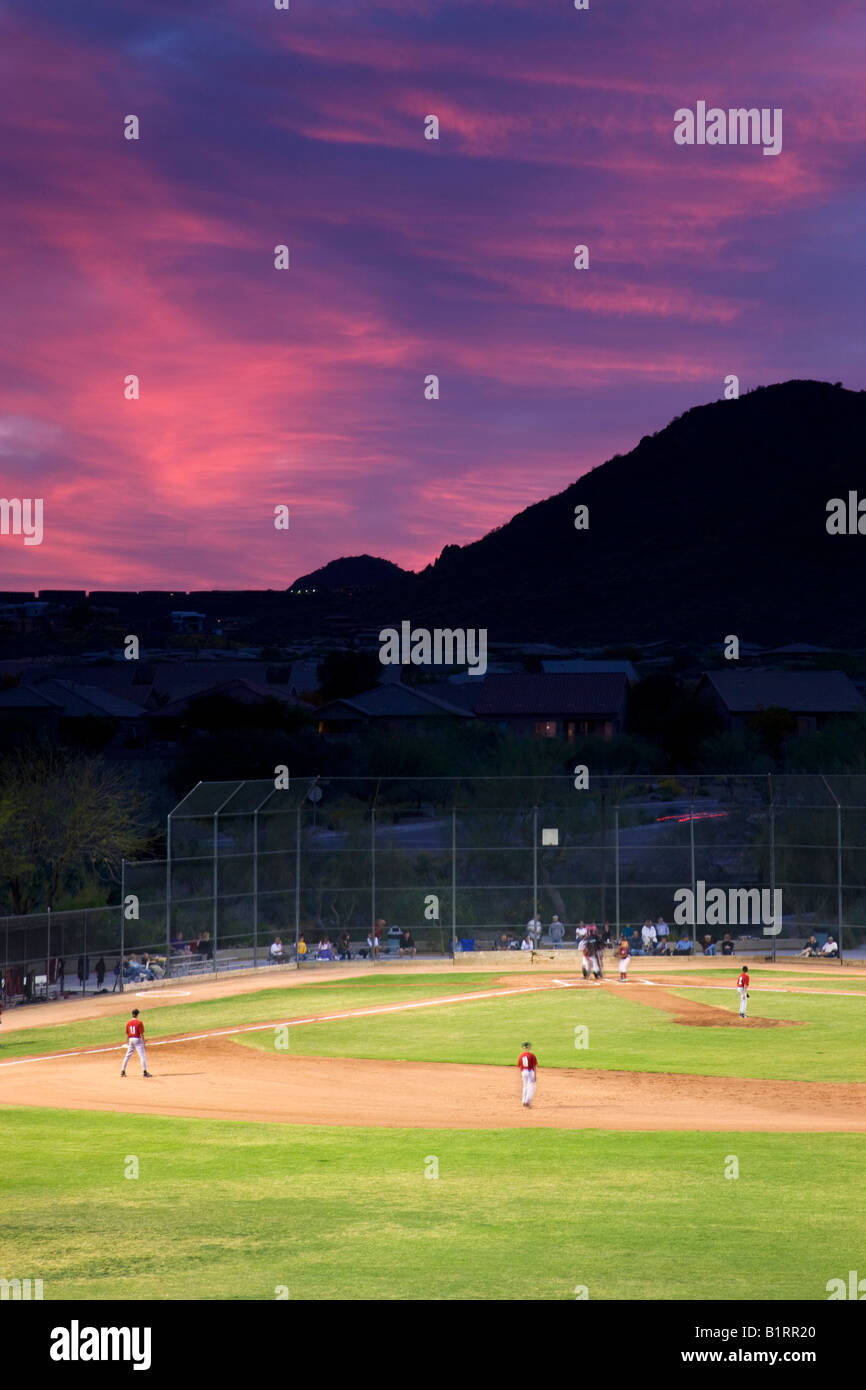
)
(738, 125)
(22, 516)
(443, 646)
(732, 907)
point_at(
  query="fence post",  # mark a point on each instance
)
(453, 885)
(692, 870)
(255, 888)
(168, 892)
(772, 830)
(535, 875)
(48, 955)
(373, 880)
(616, 868)
(297, 884)
(839, 875)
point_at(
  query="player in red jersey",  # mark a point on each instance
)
(528, 1064)
(135, 1035)
(743, 987)
(624, 957)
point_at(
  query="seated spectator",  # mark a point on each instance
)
(830, 947)
(648, 937)
(503, 942)
(811, 948)
(407, 944)
(302, 947)
(132, 968)
(205, 946)
(151, 969)
(325, 950)
(684, 945)
(663, 937)
(527, 942)
(606, 938)
(373, 945)
(636, 943)
(344, 946)
(277, 954)
(708, 946)
(177, 942)
(727, 947)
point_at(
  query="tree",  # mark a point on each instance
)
(61, 814)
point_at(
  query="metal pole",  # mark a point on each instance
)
(297, 885)
(373, 879)
(616, 867)
(772, 828)
(838, 862)
(167, 893)
(694, 877)
(453, 884)
(839, 875)
(255, 887)
(122, 931)
(534, 870)
(48, 955)
(216, 853)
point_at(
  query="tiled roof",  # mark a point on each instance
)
(801, 692)
(553, 695)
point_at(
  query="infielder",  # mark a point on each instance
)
(743, 988)
(528, 1064)
(135, 1034)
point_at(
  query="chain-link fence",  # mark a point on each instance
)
(453, 859)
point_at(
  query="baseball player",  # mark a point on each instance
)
(135, 1034)
(528, 1064)
(743, 989)
(624, 958)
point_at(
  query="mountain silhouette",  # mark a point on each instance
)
(715, 525)
(351, 572)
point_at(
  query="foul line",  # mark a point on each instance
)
(287, 1023)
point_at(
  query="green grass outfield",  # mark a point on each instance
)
(623, 1035)
(234, 1210)
(191, 1016)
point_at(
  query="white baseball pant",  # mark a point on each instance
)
(743, 996)
(138, 1045)
(528, 1085)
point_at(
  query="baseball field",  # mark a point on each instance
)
(359, 1134)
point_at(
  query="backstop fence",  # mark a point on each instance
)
(452, 859)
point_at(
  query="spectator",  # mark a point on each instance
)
(526, 943)
(277, 954)
(557, 932)
(534, 929)
(205, 946)
(373, 944)
(830, 947)
(302, 946)
(684, 945)
(100, 972)
(580, 932)
(177, 943)
(193, 945)
(407, 944)
(379, 931)
(83, 969)
(344, 946)
(606, 938)
(325, 950)
(132, 968)
(663, 932)
(648, 937)
(727, 947)
(811, 948)
(636, 942)
(709, 946)
(503, 942)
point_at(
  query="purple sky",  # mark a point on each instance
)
(408, 257)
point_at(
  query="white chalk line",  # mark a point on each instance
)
(287, 1023)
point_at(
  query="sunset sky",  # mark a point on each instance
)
(408, 257)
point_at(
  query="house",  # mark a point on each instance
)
(392, 706)
(812, 697)
(40, 708)
(562, 705)
(186, 620)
